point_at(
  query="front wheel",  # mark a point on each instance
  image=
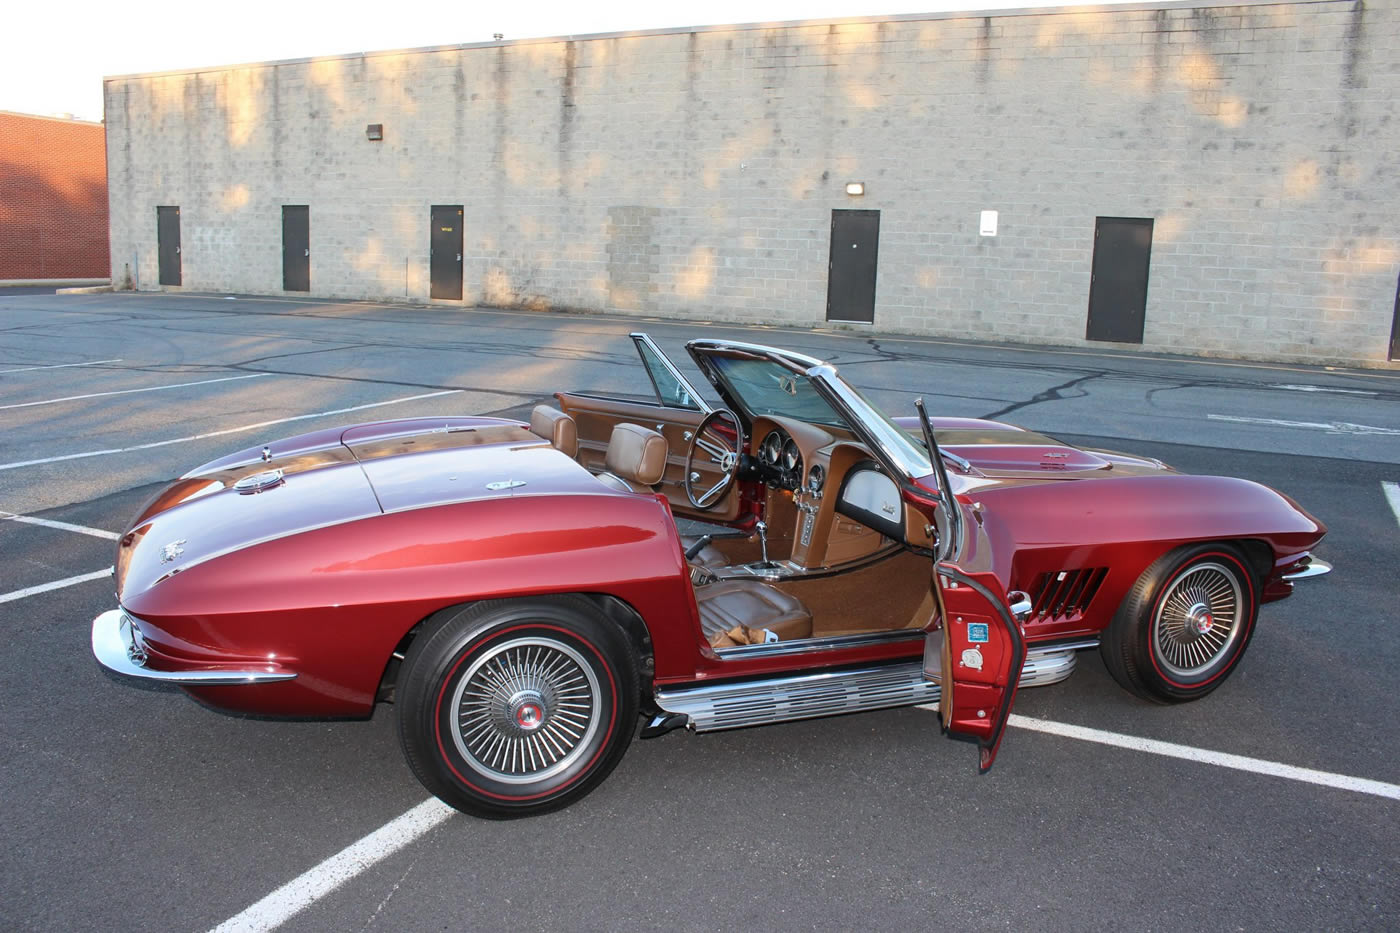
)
(512, 708)
(1185, 624)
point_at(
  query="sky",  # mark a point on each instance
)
(57, 52)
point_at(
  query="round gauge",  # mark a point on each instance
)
(771, 448)
(792, 458)
(816, 477)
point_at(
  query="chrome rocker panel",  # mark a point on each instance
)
(714, 707)
(116, 643)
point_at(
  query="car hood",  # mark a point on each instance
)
(332, 477)
(997, 449)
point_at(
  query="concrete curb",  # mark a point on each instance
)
(85, 290)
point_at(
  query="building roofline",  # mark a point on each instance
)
(51, 119)
(736, 27)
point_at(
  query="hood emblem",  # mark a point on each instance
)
(172, 550)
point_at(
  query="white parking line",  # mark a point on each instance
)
(55, 585)
(1331, 427)
(178, 385)
(303, 891)
(1219, 759)
(1306, 388)
(1392, 495)
(25, 369)
(61, 526)
(237, 430)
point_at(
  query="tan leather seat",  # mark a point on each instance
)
(557, 428)
(750, 607)
(636, 459)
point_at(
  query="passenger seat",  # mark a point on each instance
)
(738, 612)
(636, 459)
(556, 427)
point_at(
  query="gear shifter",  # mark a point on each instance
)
(762, 528)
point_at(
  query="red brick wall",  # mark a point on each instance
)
(53, 199)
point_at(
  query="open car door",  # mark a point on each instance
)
(975, 656)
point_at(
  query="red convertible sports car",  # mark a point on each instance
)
(523, 593)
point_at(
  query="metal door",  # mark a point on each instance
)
(1395, 329)
(296, 248)
(1118, 286)
(850, 281)
(168, 244)
(445, 253)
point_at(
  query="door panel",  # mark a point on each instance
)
(1118, 285)
(596, 416)
(445, 252)
(168, 245)
(976, 658)
(296, 248)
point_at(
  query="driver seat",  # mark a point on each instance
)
(635, 461)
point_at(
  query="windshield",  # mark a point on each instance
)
(768, 388)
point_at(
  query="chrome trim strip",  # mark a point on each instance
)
(117, 646)
(713, 707)
(810, 645)
(1315, 568)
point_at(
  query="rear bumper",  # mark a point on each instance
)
(117, 644)
(1313, 568)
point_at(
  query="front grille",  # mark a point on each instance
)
(1064, 595)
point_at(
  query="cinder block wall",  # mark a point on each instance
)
(693, 173)
(53, 198)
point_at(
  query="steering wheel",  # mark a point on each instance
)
(717, 438)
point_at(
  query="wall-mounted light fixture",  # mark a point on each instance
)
(498, 36)
(374, 132)
(855, 188)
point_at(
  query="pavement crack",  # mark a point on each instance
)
(392, 891)
(1054, 393)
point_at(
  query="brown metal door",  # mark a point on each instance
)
(850, 282)
(1118, 286)
(168, 244)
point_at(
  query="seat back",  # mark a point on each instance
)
(636, 458)
(556, 427)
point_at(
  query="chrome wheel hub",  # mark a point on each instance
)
(525, 710)
(1198, 620)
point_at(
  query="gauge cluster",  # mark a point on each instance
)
(779, 462)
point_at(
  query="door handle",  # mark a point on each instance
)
(177, 250)
(687, 436)
(459, 257)
(306, 252)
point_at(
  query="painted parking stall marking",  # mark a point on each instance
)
(306, 889)
(26, 369)
(61, 526)
(178, 385)
(55, 585)
(1392, 495)
(1331, 427)
(238, 430)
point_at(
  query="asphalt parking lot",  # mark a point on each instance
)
(131, 808)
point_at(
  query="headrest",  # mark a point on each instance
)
(636, 454)
(556, 427)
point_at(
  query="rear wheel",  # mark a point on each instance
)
(1185, 624)
(511, 708)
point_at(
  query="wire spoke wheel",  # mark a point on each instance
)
(526, 710)
(1198, 619)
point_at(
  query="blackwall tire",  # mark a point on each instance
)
(1185, 625)
(511, 708)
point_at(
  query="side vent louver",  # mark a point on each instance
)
(1066, 594)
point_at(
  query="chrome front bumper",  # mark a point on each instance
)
(1315, 568)
(118, 646)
